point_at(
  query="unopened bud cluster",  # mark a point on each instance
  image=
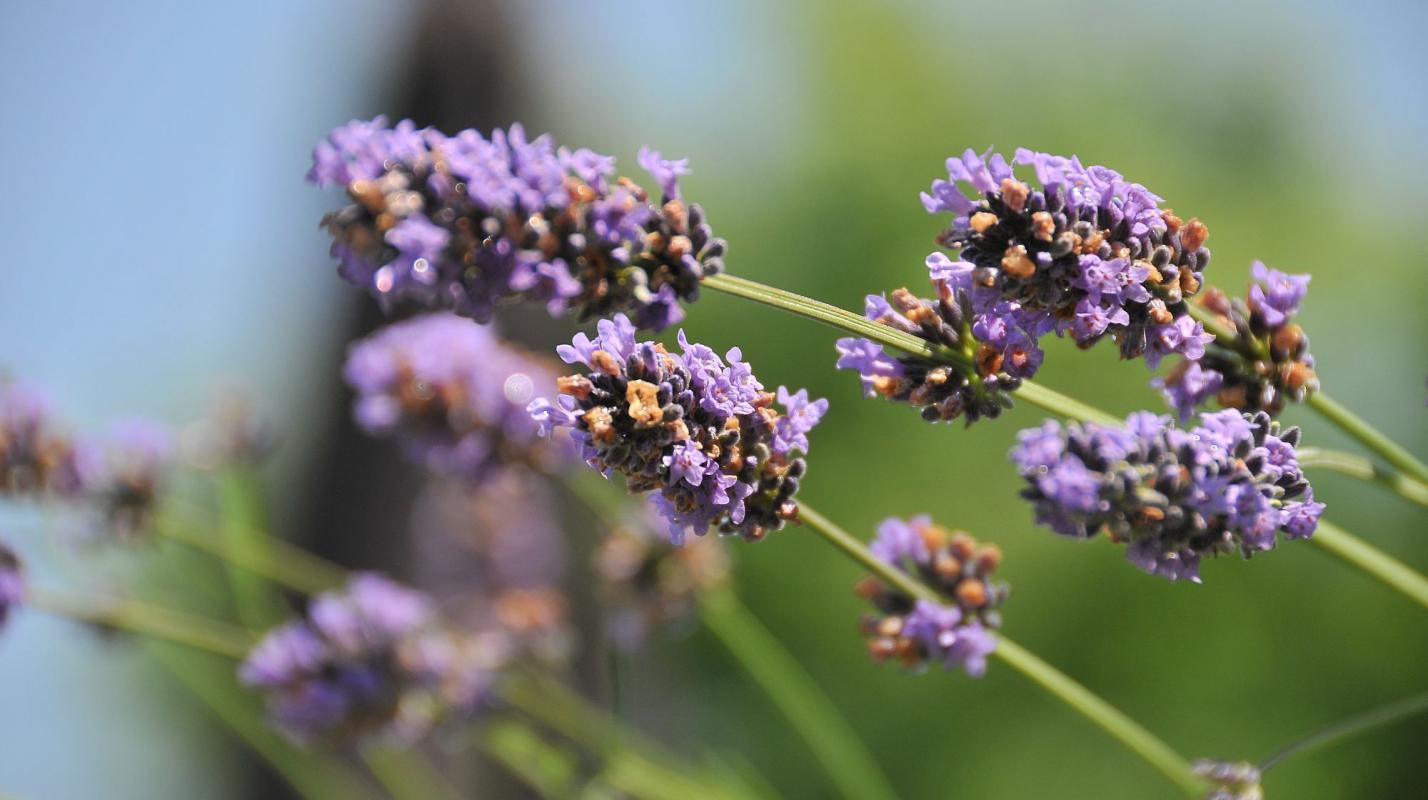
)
(1267, 364)
(916, 632)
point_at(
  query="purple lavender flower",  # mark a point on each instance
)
(454, 395)
(464, 222)
(1088, 253)
(36, 457)
(697, 429)
(917, 632)
(646, 583)
(12, 583)
(1172, 496)
(138, 454)
(1231, 780)
(373, 660)
(1269, 362)
(943, 391)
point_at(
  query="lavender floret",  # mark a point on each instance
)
(697, 430)
(1266, 366)
(1087, 253)
(465, 222)
(454, 395)
(956, 634)
(1171, 496)
(371, 660)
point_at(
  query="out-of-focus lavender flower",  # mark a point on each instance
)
(1171, 496)
(1231, 780)
(232, 434)
(944, 392)
(646, 583)
(494, 555)
(137, 457)
(1267, 364)
(917, 632)
(12, 583)
(464, 222)
(1088, 253)
(695, 428)
(372, 660)
(454, 395)
(36, 456)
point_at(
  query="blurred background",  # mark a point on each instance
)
(163, 247)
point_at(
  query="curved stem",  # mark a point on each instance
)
(407, 775)
(1353, 726)
(1129, 732)
(1357, 466)
(1328, 408)
(793, 690)
(167, 624)
(1368, 436)
(1373, 561)
(281, 562)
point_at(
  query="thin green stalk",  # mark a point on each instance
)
(832, 740)
(243, 511)
(178, 627)
(1373, 561)
(1357, 466)
(635, 765)
(407, 775)
(845, 320)
(1368, 436)
(1358, 724)
(280, 562)
(316, 776)
(1130, 733)
(549, 771)
(1328, 408)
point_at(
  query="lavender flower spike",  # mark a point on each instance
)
(454, 395)
(943, 392)
(464, 222)
(915, 632)
(36, 457)
(1087, 253)
(1171, 496)
(12, 583)
(138, 454)
(1269, 363)
(697, 429)
(373, 660)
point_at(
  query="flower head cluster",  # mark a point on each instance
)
(12, 583)
(1269, 361)
(36, 456)
(696, 429)
(453, 394)
(943, 391)
(373, 659)
(647, 584)
(919, 632)
(1088, 253)
(1171, 496)
(1231, 780)
(494, 554)
(463, 222)
(137, 456)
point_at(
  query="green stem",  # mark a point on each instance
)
(1353, 726)
(1371, 560)
(406, 775)
(845, 320)
(1357, 466)
(549, 771)
(1328, 408)
(243, 511)
(278, 561)
(1130, 733)
(169, 625)
(1353, 425)
(315, 776)
(830, 737)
